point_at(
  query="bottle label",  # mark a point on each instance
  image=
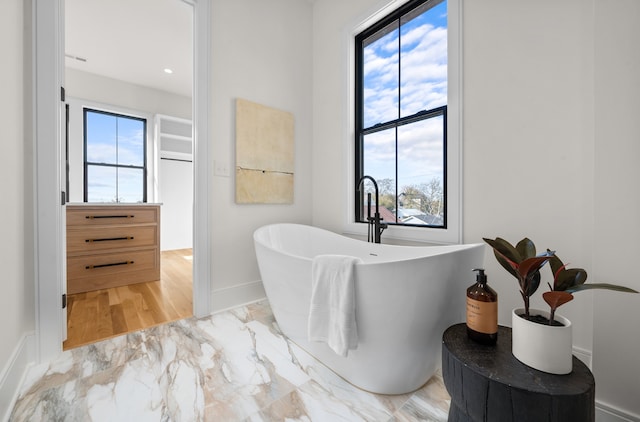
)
(482, 316)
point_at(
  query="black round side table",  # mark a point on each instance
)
(487, 383)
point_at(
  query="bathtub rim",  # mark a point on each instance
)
(433, 249)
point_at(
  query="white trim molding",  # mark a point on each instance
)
(12, 375)
(230, 297)
(606, 413)
(49, 269)
(201, 157)
(584, 355)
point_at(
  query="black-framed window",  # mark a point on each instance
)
(115, 157)
(401, 114)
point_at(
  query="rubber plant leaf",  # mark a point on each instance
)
(556, 299)
(506, 255)
(529, 274)
(530, 265)
(507, 264)
(565, 280)
(555, 263)
(526, 248)
(605, 286)
(533, 283)
(505, 248)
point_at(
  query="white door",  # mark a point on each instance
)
(176, 195)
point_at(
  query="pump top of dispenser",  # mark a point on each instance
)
(480, 277)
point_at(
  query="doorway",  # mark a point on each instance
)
(48, 34)
(128, 96)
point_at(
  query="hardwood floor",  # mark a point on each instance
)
(101, 314)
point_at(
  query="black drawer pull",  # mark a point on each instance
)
(108, 239)
(92, 217)
(91, 267)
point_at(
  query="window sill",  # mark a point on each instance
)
(396, 234)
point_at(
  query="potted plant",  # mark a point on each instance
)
(540, 339)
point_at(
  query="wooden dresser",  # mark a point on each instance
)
(112, 245)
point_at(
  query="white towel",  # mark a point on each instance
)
(332, 314)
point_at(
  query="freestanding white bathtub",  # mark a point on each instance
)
(406, 296)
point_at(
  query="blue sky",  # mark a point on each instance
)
(105, 132)
(423, 66)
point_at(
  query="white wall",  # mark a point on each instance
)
(12, 172)
(537, 136)
(616, 343)
(261, 51)
(333, 21)
(528, 139)
(16, 249)
(104, 90)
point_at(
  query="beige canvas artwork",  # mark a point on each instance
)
(264, 154)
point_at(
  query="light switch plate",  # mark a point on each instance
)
(220, 168)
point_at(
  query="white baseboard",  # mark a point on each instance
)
(606, 413)
(232, 297)
(13, 374)
(583, 354)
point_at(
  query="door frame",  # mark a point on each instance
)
(49, 227)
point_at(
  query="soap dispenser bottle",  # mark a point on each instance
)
(482, 311)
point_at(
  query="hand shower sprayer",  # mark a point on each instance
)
(375, 227)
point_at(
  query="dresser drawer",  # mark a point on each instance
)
(96, 216)
(93, 272)
(95, 239)
(112, 245)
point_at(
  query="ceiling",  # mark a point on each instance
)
(132, 40)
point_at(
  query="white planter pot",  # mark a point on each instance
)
(542, 347)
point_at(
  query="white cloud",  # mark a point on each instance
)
(130, 148)
(101, 153)
(420, 151)
(416, 35)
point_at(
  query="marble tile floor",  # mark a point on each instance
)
(229, 366)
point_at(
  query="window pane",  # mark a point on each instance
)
(130, 185)
(423, 59)
(380, 76)
(421, 172)
(380, 163)
(101, 184)
(101, 130)
(130, 142)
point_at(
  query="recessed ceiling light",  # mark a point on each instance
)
(169, 71)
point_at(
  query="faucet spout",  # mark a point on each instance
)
(376, 221)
